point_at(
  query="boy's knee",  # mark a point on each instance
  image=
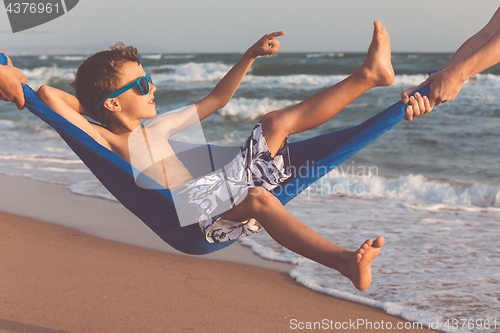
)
(275, 129)
(270, 120)
(260, 197)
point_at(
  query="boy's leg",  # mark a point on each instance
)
(291, 233)
(318, 109)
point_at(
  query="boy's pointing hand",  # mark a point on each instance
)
(267, 45)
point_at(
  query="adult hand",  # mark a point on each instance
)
(10, 84)
(444, 86)
(419, 106)
(267, 45)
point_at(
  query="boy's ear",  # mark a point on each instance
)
(112, 105)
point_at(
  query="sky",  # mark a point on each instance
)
(232, 25)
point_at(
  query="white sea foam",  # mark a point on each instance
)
(193, 72)
(197, 73)
(41, 75)
(252, 108)
(299, 81)
(6, 124)
(57, 149)
(70, 58)
(415, 189)
(40, 159)
(28, 176)
(152, 56)
(92, 188)
(207, 72)
(179, 56)
(322, 55)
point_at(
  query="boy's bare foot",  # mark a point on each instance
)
(377, 67)
(359, 270)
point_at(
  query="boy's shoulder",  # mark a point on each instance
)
(117, 143)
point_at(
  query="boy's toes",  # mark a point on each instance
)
(379, 242)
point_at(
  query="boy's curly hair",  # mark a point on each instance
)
(98, 76)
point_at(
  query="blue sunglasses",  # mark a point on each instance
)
(143, 83)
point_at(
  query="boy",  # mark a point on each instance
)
(113, 88)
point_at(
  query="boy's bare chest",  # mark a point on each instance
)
(163, 165)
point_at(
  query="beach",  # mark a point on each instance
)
(60, 279)
(430, 186)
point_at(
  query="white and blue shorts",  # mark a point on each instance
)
(214, 194)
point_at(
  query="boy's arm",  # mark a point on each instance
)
(70, 108)
(226, 88)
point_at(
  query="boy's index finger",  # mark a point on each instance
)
(277, 33)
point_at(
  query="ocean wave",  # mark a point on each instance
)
(38, 179)
(179, 56)
(300, 81)
(190, 72)
(252, 108)
(409, 80)
(194, 74)
(7, 124)
(160, 70)
(70, 58)
(210, 72)
(40, 159)
(416, 191)
(58, 149)
(303, 276)
(91, 188)
(50, 169)
(152, 56)
(324, 55)
(484, 81)
(43, 75)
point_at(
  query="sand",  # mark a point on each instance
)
(59, 279)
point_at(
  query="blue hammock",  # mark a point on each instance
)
(156, 208)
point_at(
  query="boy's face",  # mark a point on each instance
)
(133, 103)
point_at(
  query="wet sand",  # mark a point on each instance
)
(60, 279)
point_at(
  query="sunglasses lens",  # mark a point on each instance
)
(144, 84)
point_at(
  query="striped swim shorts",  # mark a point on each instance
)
(211, 196)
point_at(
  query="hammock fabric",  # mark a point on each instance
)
(156, 208)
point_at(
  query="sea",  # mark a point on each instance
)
(431, 186)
